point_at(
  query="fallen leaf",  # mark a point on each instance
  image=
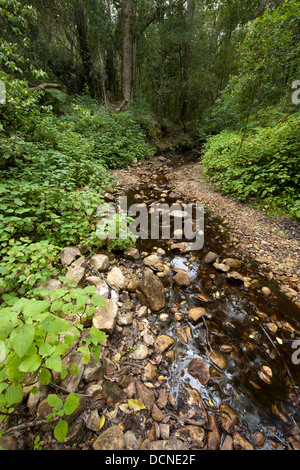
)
(135, 404)
(102, 422)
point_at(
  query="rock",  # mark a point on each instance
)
(70, 382)
(112, 393)
(182, 247)
(213, 436)
(157, 414)
(144, 310)
(196, 313)
(141, 352)
(148, 338)
(154, 262)
(132, 442)
(44, 409)
(164, 431)
(125, 319)
(145, 395)
(8, 443)
(93, 421)
(182, 279)
(151, 291)
(100, 262)
(76, 275)
(235, 276)
(171, 444)
(227, 444)
(210, 257)
(232, 263)
(116, 279)
(150, 371)
(194, 434)
(51, 285)
(35, 398)
(199, 370)
(221, 267)
(132, 253)
(101, 286)
(241, 443)
(181, 335)
(105, 320)
(69, 254)
(258, 438)
(228, 417)
(163, 342)
(266, 291)
(111, 439)
(219, 360)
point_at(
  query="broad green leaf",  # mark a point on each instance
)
(61, 430)
(14, 394)
(31, 363)
(55, 401)
(56, 325)
(22, 338)
(12, 368)
(98, 300)
(71, 404)
(34, 307)
(45, 376)
(54, 363)
(85, 354)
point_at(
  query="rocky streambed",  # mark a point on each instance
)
(200, 348)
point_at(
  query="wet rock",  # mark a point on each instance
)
(151, 291)
(157, 414)
(210, 257)
(145, 395)
(228, 418)
(105, 320)
(182, 279)
(232, 263)
(196, 313)
(76, 275)
(182, 247)
(258, 438)
(116, 279)
(199, 370)
(163, 342)
(241, 443)
(69, 254)
(111, 439)
(227, 444)
(235, 277)
(100, 262)
(219, 360)
(181, 335)
(221, 267)
(213, 436)
(266, 291)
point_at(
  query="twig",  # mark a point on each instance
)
(207, 335)
(30, 424)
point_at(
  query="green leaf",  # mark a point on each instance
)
(55, 401)
(71, 404)
(45, 376)
(98, 300)
(14, 394)
(135, 404)
(54, 363)
(22, 338)
(31, 364)
(34, 307)
(61, 430)
(85, 354)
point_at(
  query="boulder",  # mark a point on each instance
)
(151, 291)
(116, 279)
(105, 319)
(100, 262)
(69, 254)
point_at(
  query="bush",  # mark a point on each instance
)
(263, 164)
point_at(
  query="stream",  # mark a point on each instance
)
(252, 332)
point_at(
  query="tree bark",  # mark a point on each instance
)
(85, 52)
(128, 42)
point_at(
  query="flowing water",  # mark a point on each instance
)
(238, 318)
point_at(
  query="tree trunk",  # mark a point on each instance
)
(128, 41)
(85, 52)
(187, 57)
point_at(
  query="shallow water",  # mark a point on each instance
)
(237, 316)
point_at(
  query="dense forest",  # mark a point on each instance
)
(87, 86)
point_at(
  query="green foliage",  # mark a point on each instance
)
(36, 336)
(264, 164)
